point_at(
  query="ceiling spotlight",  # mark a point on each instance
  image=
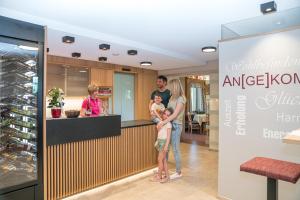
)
(132, 52)
(102, 59)
(145, 63)
(209, 49)
(104, 47)
(76, 55)
(268, 7)
(68, 39)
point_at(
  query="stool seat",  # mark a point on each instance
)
(271, 168)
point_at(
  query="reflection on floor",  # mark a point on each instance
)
(199, 181)
(195, 138)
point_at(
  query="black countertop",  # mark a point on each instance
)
(65, 130)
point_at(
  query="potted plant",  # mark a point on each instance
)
(56, 101)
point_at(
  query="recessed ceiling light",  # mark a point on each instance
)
(103, 59)
(268, 7)
(145, 63)
(104, 47)
(209, 49)
(76, 54)
(28, 48)
(132, 52)
(68, 39)
(82, 71)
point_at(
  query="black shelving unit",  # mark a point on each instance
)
(21, 105)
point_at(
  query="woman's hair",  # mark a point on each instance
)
(92, 88)
(176, 89)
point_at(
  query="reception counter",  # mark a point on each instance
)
(100, 150)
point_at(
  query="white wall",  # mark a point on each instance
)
(214, 111)
(249, 122)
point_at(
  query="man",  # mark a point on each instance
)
(165, 94)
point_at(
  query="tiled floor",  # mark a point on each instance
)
(199, 181)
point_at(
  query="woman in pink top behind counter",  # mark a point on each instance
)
(91, 106)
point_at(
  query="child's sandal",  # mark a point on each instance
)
(165, 180)
(155, 179)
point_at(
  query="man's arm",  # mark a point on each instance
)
(151, 101)
(150, 104)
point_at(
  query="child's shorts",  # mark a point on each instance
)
(160, 144)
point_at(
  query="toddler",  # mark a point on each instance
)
(157, 109)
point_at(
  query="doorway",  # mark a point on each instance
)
(197, 91)
(124, 96)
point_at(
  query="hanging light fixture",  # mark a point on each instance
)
(209, 49)
(268, 7)
(76, 54)
(145, 63)
(132, 52)
(68, 39)
(104, 47)
(102, 59)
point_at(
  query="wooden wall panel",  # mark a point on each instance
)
(102, 74)
(146, 84)
(101, 77)
(79, 166)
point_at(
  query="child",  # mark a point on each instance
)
(162, 144)
(157, 108)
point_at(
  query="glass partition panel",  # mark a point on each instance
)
(124, 96)
(262, 24)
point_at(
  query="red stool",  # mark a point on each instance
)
(274, 170)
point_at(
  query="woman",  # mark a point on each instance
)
(91, 106)
(177, 103)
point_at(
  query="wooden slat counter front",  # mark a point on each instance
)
(81, 165)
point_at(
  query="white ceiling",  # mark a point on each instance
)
(169, 33)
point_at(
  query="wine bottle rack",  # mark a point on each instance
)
(18, 105)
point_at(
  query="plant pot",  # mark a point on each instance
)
(56, 112)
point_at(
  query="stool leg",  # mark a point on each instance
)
(272, 185)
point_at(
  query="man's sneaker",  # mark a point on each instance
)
(176, 176)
